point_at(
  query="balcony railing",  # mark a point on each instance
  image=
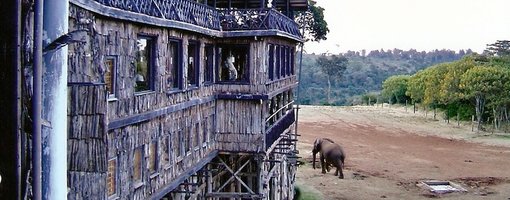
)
(177, 10)
(257, 19)
(207, 17)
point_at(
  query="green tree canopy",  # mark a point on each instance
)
(312, 20)
(333, 68)
(395, 87)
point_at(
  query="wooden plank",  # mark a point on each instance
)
(137, 118)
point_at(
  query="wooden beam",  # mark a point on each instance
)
(234, 195)
(177, 181)
(137, 118)
(242, 96)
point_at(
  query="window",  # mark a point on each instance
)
(209, 64)
(287, 58)
(174, 67)
(110, 75)
(205, 129)
(153, 152)
(292, 60)
(233, 63)
(182, 145)
(188, 143)
(277, 62)
(137, 164)
(197, 136)
(111, 178)
(193, 64)
(165, 151)
(271, 62)
(144, 64)
(212, 127)
(283, 61)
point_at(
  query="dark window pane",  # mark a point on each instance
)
(271, 62)
(233, 63)
(192, 62)
(143, 64)
(209, 64)
(174, 66)
(278, 62)
(165, 151)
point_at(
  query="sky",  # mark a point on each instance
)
(423, 25)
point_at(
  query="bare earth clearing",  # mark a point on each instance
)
(390, 150)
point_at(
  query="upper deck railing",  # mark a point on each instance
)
(257, 19)
(205, 16)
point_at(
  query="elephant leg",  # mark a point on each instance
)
(340, 170)
(323, 164)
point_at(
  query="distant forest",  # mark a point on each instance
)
(364, 73)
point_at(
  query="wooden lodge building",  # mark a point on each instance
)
(199, 102)
(180, 99)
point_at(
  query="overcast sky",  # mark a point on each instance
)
(418, 24)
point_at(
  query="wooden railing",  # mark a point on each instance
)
(177, 10)
(257, 19)
(276, 129)
(209, 17)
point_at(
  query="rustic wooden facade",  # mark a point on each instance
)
(153, 113)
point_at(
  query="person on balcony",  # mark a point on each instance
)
(232, 71)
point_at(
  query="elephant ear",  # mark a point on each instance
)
(316, 145)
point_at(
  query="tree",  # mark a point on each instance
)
(395, 87)
(482, 84)
(416, 86)
(499, 48)
(316, 28)
(333, 68)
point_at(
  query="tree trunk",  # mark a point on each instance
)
(458, 120)
(480, 101)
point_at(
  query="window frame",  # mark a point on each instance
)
(271, 62)
(115, 179)
(113, 79)
(209, 64)
(278, 62)
(196, 65)
(292, 61)
(151, 62)
(155, 166)
(138, 182)
(181, 149)
(219, 65)
(168, 151)
(175, 71)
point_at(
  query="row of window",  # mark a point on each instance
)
(196, 138)
(229, 61)
(280, 61)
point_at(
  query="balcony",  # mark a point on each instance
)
(193, 16)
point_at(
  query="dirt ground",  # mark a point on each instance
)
(391, 150)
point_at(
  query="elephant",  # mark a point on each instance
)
(330, 154)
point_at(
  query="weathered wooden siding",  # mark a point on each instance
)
(123, 141)
(240, 125)
(191, 121)
(87, 141)
(115, 38)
